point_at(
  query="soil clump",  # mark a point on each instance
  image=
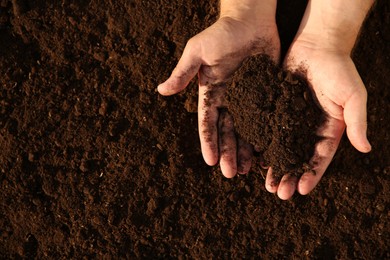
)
(275, 112)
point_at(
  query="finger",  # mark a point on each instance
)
(355, 116)
(271, 184)
(186, 69)
(287, 187)
(244, 157)
(331, 132)
(227, 145)
(208, 125)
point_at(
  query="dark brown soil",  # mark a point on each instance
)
(274, 111)
(94, 163)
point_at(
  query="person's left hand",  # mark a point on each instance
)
(340, 92)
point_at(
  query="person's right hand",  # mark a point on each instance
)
(215, 54)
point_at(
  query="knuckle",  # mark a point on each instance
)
(192, 45)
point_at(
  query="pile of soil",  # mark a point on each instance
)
(274, 111)
(95, 164)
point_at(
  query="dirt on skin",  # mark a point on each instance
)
(274, 111)
(95, 164)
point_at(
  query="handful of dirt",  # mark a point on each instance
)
(274, 111)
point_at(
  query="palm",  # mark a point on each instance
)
(215, 54)
(224, 46)
(340, 92)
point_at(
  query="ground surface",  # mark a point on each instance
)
(94, 162)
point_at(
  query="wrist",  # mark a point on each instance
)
(333, 25)
(250, 12)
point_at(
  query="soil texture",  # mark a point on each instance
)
(274, 111)
(95, 164)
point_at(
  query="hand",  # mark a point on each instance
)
(340, 92)
(321, 53)
(215, 54)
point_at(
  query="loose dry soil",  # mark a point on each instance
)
(274, 111)
(94, 163)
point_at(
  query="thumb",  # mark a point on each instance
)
(355, 116)
(186, 69)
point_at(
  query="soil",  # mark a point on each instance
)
(274, 111)
(94, 163)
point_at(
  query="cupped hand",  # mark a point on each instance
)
(339, 90)
(215, 54)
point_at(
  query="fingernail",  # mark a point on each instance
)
(263, 166)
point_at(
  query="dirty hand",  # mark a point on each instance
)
(215, 54)
(335, 84)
